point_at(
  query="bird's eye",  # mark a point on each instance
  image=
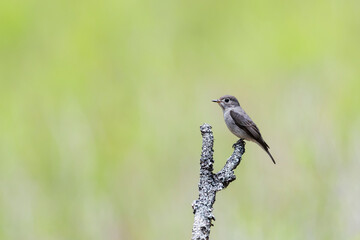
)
(227, 100)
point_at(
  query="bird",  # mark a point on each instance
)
(240, 124)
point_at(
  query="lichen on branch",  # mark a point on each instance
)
(210, 183)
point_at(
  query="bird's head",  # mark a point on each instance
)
(227, 101)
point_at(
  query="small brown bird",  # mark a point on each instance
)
(239, 123)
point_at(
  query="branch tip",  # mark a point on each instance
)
(205, 128)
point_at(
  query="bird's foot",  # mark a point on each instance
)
(240, 141)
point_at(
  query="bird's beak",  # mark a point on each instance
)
(216, 100)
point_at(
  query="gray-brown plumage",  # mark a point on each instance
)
(239, 123)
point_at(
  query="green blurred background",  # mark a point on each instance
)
(101, 103)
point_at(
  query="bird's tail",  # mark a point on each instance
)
(268, 152)
(266, 147)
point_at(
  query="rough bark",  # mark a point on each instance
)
(210, 183)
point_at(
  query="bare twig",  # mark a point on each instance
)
(211, 183)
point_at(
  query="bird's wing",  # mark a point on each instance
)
(244, 122)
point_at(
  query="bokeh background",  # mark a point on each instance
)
(101, 103)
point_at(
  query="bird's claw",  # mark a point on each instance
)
(240, 141)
